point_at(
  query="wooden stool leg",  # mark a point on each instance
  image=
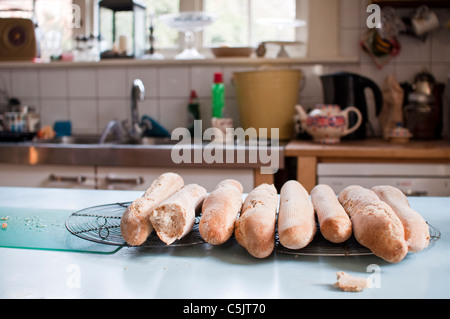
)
(307, 171)
(262, 178)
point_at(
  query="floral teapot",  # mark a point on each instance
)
(327, 123)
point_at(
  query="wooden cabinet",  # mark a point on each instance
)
(308, 155)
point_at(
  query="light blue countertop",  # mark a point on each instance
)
(204, 271)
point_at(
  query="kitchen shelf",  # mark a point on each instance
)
(413, 3)
(172, 62)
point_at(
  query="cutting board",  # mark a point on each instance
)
(43, 229)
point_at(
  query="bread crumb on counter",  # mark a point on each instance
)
(350, 283)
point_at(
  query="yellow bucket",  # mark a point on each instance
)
(267, 99)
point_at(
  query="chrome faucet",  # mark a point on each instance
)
(121, 131)
(116, 128)
(137, 94)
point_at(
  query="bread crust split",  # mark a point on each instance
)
(255, 227)
(375, 225)
(335, 224)
(219, 212)
(417, 233)
(174, 218)
(296, 218)
(135, 225)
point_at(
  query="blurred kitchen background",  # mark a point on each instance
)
(85, 79)
(89, 95)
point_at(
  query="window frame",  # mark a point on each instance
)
(324, 35)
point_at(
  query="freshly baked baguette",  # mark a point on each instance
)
(175, 216)
(296, 222)
(417, 234)
(219, 212)
(135, 224)
(255, 227)
(375, 225)
(335, 225)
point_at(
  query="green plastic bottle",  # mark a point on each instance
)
(218, 96)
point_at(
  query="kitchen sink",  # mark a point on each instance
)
(95, 139)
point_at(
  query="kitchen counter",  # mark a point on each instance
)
(204, 271)
(137, 155)
(309, 154)
(160, 155)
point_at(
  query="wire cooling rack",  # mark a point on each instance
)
(101, 224)
(320, 246)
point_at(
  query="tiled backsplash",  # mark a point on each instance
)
(91, 96)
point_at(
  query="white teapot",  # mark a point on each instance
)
(327, 123)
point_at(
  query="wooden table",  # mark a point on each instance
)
(309, 154)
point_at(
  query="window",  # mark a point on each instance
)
(249, 22)
(166, 37)
(240, 22)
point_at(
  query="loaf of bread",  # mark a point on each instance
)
(417, 233)
(135, 224)
(375, 225)
(296, 221)
(255, 227)
(175, 216)
(219, 212)
(335, 225)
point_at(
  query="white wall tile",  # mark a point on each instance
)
(112, 83)
(32, 101)
(148, 76)
(174, 82)
(232, 111)
(311, 84)
(84, 116)
(407, 71)
(149, 107)
(5, 81)
(108, 110)
(441, 72)
(351, 13)
(440, 49)
(174, 113)
(414, 50)
(82, 83)
(202, 78)
(205, 111)
(371, 71)
(24, 83)
(349, 45)
(228, 74)
(53, 83)
(53, 110)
